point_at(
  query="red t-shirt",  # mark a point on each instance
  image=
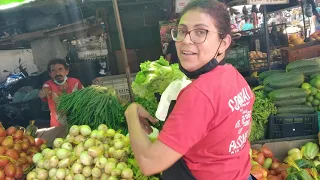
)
(210, 125)
(73, 85)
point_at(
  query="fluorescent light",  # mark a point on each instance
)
(15, 4)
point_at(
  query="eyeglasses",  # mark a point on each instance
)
(197, 36)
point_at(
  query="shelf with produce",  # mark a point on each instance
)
(297, 159)
(102, 153)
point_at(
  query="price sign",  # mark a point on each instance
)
(180, 4)
(267, 2)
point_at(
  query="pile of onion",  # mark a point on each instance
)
(16, 152)
(85, 154)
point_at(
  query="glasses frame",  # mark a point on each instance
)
(188, 33)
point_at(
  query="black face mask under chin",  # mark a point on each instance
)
(204, 69)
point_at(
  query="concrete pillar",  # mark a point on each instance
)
(45, 49)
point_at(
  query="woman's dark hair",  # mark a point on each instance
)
(57, 61)
(254, 9)
(216, 10)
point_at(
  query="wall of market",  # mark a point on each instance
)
(9, 60)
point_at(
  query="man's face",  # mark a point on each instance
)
(58, 72)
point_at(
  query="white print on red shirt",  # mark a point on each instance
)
(241, 100)
(238, 103)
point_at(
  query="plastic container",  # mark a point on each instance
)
(292, 126)
(238, 57)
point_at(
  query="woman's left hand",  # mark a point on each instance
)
(135, 110)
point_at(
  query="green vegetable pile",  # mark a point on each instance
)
(155, 77)
(262, 109)
(91, 106)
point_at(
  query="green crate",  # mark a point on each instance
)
(238, 57)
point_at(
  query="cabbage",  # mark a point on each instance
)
(310, 150)
(155, 77)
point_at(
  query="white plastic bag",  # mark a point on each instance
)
(171, 93)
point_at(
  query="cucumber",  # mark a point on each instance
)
(287, 93)
(265, 74)
(299, 109)
(307, 70)
(283, 77)
(290, 101)
(303, 63)
(289, 82)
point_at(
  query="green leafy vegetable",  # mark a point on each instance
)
(91, 106)
(155, 77)
(262, 109)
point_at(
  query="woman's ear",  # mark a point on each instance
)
(226, 42)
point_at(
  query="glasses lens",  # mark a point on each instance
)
(178, 34)
(198, 35)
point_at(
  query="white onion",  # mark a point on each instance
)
(58, 142)
(52, 172)
(31, 176)
(106, 155)
(111, 150)
(103, 127)
(37, 157)
(85, 130)
(115, 172)
(126, 140)
(69, 177)
(86, 159)
(118, 136)
(96, 172)
(112, 178)
(86, 171)
(89, 143)
(101, 162)
(101, 135)
(118, 144)
(98, 143)
(63, 153)
(79, 177)
(78, 149)
(73, 159)
(61, 173)
(109, 166)
(121, 165)
(70, 138)
(42, 174)
(113, 160)
(95, 151)
(76, 168)
(110, 132)
(106, 146)
(94, 134)
(127, 173)
(67, 146)
(46, 164)
(40, 164)
(119, 153)
(104, 176)
(79, 139)
(64, 163)
(54, 160)
(50, 153)
(74, 130)
(45, 151)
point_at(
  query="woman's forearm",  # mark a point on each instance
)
(139, 140)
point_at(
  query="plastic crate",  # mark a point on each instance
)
(238, 57)
(120, 85)
(292, 126)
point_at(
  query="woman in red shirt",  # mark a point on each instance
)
(206, 134)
